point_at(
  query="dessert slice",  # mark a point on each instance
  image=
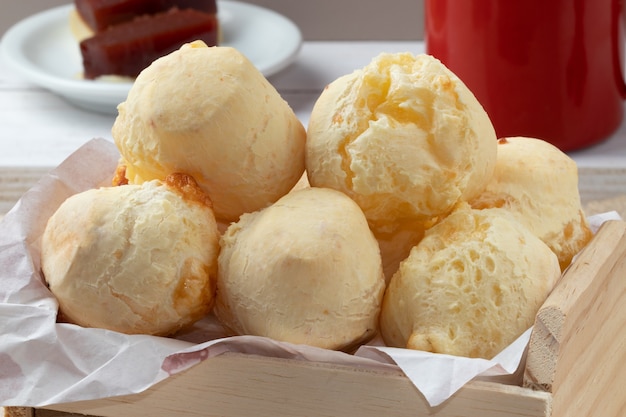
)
(129, 47)
(101, 14)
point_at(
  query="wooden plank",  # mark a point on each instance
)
(236, 385)
(594, 183)
(578, 345)
(616, 203)
(14, 182)
(18, 412)
(599, 183)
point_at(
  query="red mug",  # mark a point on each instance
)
(549, 69)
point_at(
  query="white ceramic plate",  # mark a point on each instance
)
(42, 49)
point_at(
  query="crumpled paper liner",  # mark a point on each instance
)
(43, 362)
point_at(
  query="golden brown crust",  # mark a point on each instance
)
(188, 188)
(119, 178)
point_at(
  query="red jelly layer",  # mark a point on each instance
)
(128, 48)
(101, 14)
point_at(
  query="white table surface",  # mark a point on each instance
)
(38, 130)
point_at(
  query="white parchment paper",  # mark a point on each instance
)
(43, 362)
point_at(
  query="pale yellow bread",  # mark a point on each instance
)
(305, 270)
(303, 182)
(403, 137)
(133, 258)
(470, 287)
(210, 113)
(537, 184)
(396, 241)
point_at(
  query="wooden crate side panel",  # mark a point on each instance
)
(236, 385)
(17, 412)
(578, 345)
(591, 376)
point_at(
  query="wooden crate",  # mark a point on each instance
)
(574, 367)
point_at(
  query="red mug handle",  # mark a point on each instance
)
(618, 44)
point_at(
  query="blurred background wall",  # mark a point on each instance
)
(318, 19)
